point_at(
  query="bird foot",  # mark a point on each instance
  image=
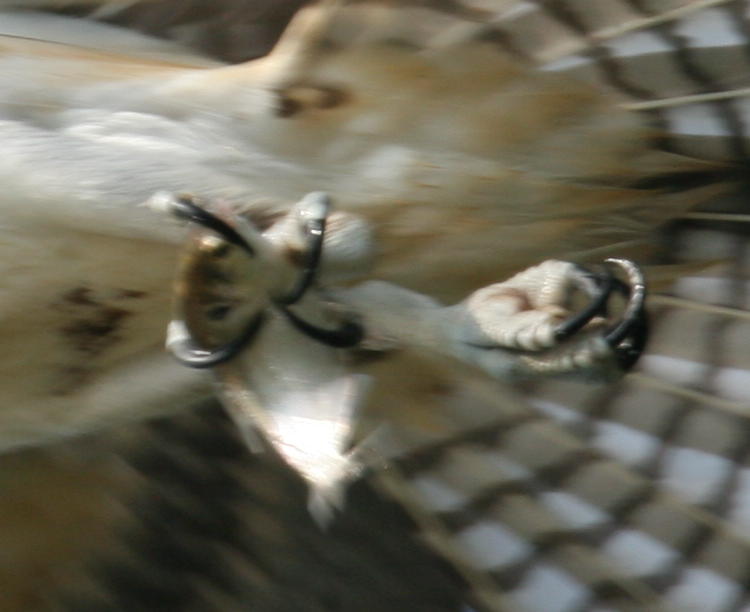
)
(532, 315)
(525, 327)
(534, 324)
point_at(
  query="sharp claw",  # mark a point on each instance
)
(629, 336)
(185, 208)
(625, 339)
(314, 212)
(604, 286)
(182, 345)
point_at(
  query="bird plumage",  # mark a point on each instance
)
(477, 139)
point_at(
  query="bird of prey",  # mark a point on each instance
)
(408, 244)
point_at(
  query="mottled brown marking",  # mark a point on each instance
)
(296, 99)
(80, 296)
(286, 107)
(129, 294)
(332, 97)
(89, 328)
(206, 287)
(215, 277)
(294, 255)
(97, 331)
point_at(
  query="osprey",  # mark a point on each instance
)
(413, 226)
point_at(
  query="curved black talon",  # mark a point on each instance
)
(188, 210)
(629, 350)
(598, 305)
(187, 352)
(636, 293)
(629, 336)
(348, 335)
(316, 230)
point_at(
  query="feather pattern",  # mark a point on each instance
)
(549, 127)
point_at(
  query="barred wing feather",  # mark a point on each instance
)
(479, 137)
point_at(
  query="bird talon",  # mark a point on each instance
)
(627, 339)
(186, 350)
(313, 210)
(623, 341)
(600, 288)
(628, 336)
